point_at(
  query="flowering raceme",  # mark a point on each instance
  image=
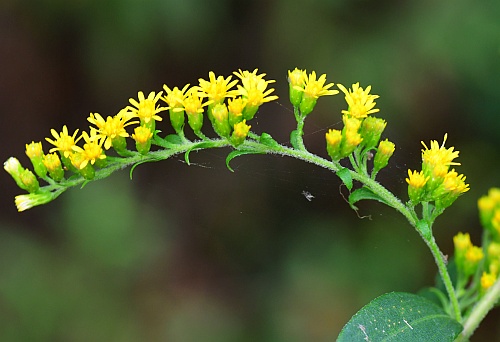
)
(105, 134)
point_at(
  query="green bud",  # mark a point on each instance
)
(384, 152)
(371, 130)
(14, 168)
(29, 181)
(220, 121)
(177, 119)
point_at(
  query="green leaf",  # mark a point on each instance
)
(203, 144)
(424, 229)
(267, 140)
(345, 175)
(237, 153)
(400, 317)
(294, 138)
(364, 194)
(173, 139)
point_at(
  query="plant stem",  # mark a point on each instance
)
(394, 202)
(482, 307)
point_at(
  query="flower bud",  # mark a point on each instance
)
(240, 132)
(371, 130)
(220, 121)
(53, 165)
(142, 136)
(177, 119)
(27, 201)
(296, 80)
(14, 168)
(333, 142)
(384, 152)
(29, 181)
(236, 107)
(35, 154)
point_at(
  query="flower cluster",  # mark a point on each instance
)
(361, 133)
(66, 157)
(436, 182)
(489, 214)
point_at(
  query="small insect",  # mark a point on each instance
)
(307, 195)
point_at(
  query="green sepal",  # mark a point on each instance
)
(266, 139)
(399, 316)
(364, 194)
(345, 175)
(237, 153)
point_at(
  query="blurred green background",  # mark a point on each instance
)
(197, 253)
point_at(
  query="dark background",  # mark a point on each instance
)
(197, 253)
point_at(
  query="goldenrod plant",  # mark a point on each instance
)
(468, 286)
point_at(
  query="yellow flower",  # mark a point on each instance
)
(113, 127)
(350, 123)
(316, 87)
(255, 92)
(250, 79)
(416, 182)
(455, 183)
(333, 142)
(146, 109)
(142, 134)
(462, 242)
(474, 254)
(91, 151)
(360, 101)
(175, 97)
(487, 280)
(217, 89)
(436, 155)
(53, 165)
(63, 141)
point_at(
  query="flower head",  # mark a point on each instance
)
(63, 141)
(437, 159)
(146, 109)
(316, 87)
(217, 89)
(91, 151)
(175, 97)
(113, 127)
(360, 101)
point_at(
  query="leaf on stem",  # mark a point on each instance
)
(266, 139)
(363, 194)
(294, 139)
(424, 229)
(237, 153)
(399, 316)
(201, 145)
(345, 175)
